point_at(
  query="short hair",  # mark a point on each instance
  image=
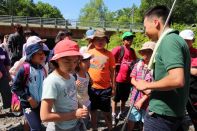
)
(159, 11)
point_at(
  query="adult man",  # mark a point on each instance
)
(15, 43)
(123, 80)
(171, 71)
(189, 37)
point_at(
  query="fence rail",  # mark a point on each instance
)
(57, 22)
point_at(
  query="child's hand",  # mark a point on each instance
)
(1, 75)
(138, 105)
(78, 83)
(147, 92)
(141, 85)
(81, 113)
(33, 103)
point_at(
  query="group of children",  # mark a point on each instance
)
(82, 81)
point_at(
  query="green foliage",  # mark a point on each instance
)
(115, 40)
(47, 11)
(94, 11)
(184, 11)
(28, 8)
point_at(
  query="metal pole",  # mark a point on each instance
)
(132, 15)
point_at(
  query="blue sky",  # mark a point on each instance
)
(71, 8)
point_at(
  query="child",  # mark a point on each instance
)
(29, 89)
(140, 72)
(83, 81)
(102, 74)
(124, 55)
(59, 105)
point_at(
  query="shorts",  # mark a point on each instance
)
(122, 91)
(100, 99)
(137, 115)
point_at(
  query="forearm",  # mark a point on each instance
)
(112, 76)
(165, 84)
(144, 98)
(56, 116)
(193, 71)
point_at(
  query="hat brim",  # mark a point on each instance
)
(104, 36)
(142, 49)
(67, 53)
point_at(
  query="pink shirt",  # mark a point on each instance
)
(129, 56)
(193, 53)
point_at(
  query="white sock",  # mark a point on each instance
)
(113, 114)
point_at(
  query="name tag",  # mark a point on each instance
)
(2, 56)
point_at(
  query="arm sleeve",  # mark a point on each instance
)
(49, 89)
(19, 87)
(7, 59)
(134, 72)
(172, 53)
(116, 53)
(111, 60)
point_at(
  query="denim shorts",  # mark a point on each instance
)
(137, 115)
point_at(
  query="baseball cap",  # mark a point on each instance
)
(65, 48)
(34, 39)
(127, 34)
(89, 34)
(187, 34)
(148, 45)
(84, 54)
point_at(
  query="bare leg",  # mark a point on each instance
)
(107, 117)
(94, 119)
(131, 125)
(114, 105)
(122, 108)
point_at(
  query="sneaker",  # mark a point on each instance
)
(121, 116)
(113, 120)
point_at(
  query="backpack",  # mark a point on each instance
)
(131, 66)
(15, 102)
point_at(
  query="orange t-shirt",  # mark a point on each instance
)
(99, 70)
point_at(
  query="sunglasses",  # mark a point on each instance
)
(128, 38)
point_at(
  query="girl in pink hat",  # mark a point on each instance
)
(59, 105)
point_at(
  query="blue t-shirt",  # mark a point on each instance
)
(64, 93)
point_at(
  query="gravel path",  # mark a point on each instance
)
(9, 122)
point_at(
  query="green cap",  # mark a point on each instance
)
(127, 34)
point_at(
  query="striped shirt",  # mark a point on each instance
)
(140, 72)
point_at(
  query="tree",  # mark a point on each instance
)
(94, 11)
(184, 11)
(47, 11)
(28, 8)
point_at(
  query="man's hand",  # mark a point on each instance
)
(141, 85)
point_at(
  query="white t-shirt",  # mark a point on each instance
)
(82, 91)
(64, 92)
